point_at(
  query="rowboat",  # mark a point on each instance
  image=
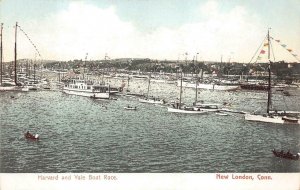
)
(130, 108)
(287, 155)
(31, 136)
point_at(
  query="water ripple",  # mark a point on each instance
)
(78, 134)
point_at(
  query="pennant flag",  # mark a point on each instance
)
(265, 44)
(283, 45)
(289, 50)
(277, 41)
(262, 51)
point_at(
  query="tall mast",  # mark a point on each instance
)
(1, 53)
(85, 65)
(128, 83)
(148, 86)
(180, 93)
(196, 82)
(16, 53)
(196, 88)
(59, 72)
(34, 65)
(269, 71)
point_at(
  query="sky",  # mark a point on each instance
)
(156, 29)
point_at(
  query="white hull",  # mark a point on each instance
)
(129, 108)
(25, 89)
(151, 101)
(7, 88)
(163, 81)
(208, 107)
(112, 92)
(232, 111)
(174, 110)
(209, 86)
(86, 93)
(210, 110)
(13, 88)
(32, 87)
(285, 112)
(222, 114)
(267, 119)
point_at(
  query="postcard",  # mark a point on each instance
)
(140, 94)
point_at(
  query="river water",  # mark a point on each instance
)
(78, 134)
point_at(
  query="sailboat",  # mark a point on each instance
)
(201, 105)
(272, 116)
(32, 84)
(151, 100)
(8, 85)
(179, 108)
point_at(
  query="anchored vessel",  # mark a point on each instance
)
(8, 85)
(151, 100)
(179, 108)
(129, 108)
(86, 88)
(210, 86)
(283, 117)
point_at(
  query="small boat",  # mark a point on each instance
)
(222, 114)
(286, 93)
(31, 136)
(152, 100)
(287, 155)
(46, 87)
(130, 108)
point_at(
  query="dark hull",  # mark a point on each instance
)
(285, 155)
(30, 137)
(254, 87)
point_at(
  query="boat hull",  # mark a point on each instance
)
(13, 88)
(99, 95)
(175, 110)
(210, 86)
(254, 87)
(32, 87)
(151, 101)
(127, 108)
(31, 137)
(207, 107)
(268, 119)
(286, 155)
(7, 88)
(222, 114)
